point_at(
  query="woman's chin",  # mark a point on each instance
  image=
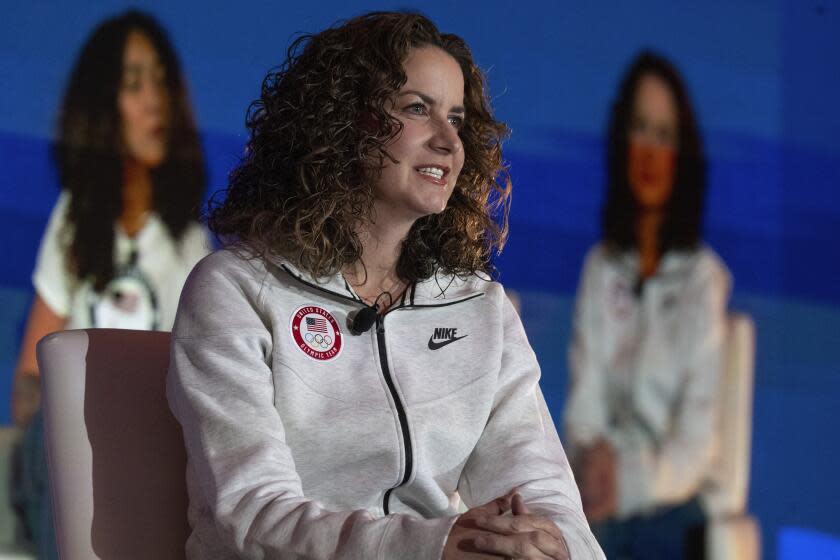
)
(437, 204)
(151, 158)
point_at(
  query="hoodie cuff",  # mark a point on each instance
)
(580, 542)
(413, 537)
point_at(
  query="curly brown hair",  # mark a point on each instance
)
(319, 138)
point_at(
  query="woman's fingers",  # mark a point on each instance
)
(460, 545)
(494, 507)
(506, 525)
(517, 505)
(521, 535)
(536, 545)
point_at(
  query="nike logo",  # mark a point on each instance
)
(449, 336)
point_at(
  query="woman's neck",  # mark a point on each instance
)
(136, 196)
(376, 271)
(648, 227)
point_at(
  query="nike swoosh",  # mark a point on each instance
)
(437, 345)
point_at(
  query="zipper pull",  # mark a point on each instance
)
(380, 324)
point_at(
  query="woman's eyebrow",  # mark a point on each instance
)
(137, 66)
(431, 100)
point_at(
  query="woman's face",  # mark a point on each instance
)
(428, 151)
(652, 143)
(143, 102)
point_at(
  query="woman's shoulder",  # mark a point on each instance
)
(602, 258)
(59, 213)
(712, 270)
(707, 257)
(195, 230)
(701, 263)
(222, 294)
(63, 200)
(229, 265)
(699, 271)
(195, 242)
(444, 287)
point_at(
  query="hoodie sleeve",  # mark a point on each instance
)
(220, 389)
(520, 448)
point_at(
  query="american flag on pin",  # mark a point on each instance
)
(316, 324)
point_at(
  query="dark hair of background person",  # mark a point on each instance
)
(682, 225)
(319, 136)
(89, 149)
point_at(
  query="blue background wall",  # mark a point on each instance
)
(765, 81)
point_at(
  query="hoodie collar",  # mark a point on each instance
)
(440, 288)
(674, 263)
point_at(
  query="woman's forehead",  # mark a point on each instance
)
(436, 74)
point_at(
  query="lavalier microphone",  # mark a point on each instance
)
(362, 320)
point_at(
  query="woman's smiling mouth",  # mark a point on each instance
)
(433, 173)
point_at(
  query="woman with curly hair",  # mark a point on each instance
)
(124, 234)
(345, 372)
(650, 320)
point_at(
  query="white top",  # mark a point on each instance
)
(151, 269)
(307, 441)
(645, 371)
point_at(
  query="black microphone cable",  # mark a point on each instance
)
(362, 320)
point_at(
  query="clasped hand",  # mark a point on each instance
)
(484, 532)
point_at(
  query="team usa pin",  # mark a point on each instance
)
(316, 332)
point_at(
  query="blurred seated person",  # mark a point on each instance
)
(646, 355)
(124, 235)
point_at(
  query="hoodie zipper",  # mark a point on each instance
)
(401, 415)
(386, 372)
(398, 404)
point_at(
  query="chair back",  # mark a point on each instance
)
(727, 494)
(115, 453)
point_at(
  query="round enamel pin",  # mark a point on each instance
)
(316, 332)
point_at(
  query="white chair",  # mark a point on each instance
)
(115, 453)
(732, 533)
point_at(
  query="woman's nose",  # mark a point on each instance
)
(154, 96)
(446, 138)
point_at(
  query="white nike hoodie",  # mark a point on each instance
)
(307, 441)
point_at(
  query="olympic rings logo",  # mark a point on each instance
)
(316, 341)
(316, 333)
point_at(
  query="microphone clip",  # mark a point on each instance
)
(361, 321)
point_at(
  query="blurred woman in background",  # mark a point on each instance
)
(646, 355)
(124, 233)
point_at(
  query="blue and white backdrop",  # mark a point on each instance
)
(764, 79)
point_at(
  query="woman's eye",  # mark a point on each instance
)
(637, 125)
(416, 109)
(456, 121)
